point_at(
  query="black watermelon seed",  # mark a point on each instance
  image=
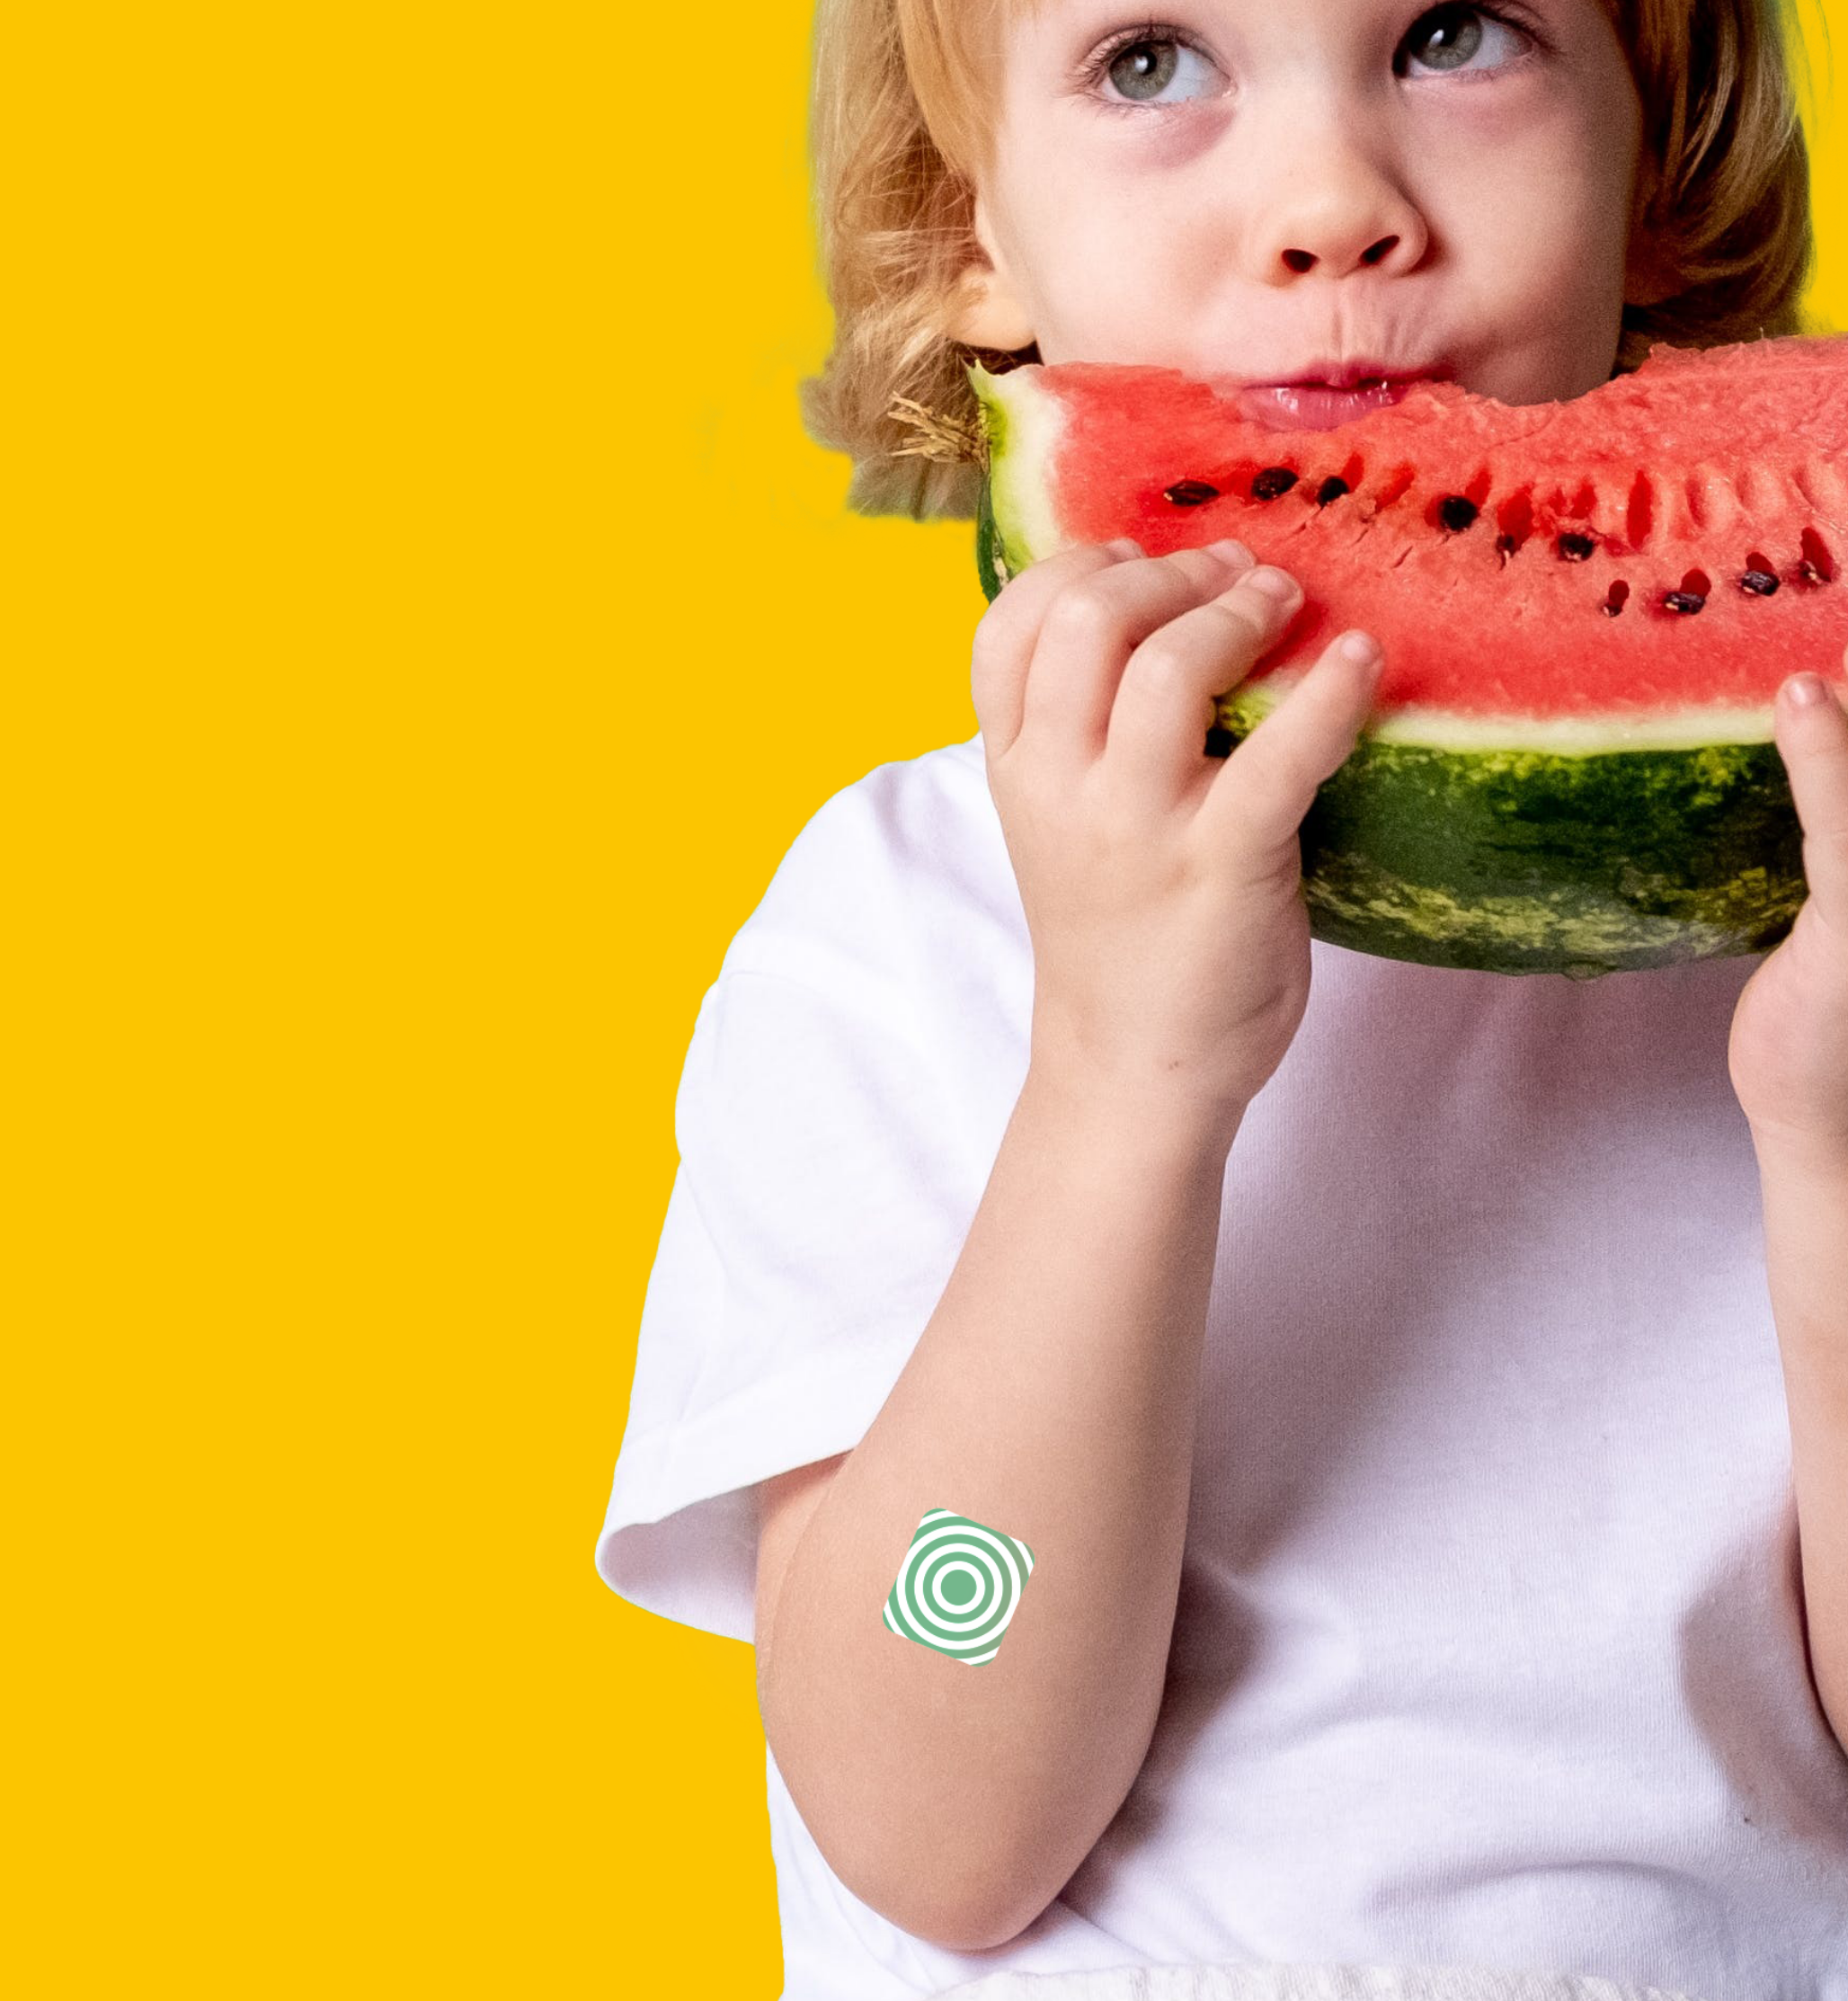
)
(1575, 548)
(1456, 512)
(1761, 582)
(1272, 481)
(1505, 546)
(1219, 741)
(1190, 493)
(1331, 489)
(1682, 600)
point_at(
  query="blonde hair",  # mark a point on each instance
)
(903, 113)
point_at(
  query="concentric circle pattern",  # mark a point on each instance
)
(959, 1586)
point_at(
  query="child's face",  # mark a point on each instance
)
(1304, 181)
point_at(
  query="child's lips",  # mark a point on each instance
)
(1308, 406)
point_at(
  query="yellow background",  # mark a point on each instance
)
(430, 628)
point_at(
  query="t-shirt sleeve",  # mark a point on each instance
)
(831, 1159)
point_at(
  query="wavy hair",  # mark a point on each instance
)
(902, 122)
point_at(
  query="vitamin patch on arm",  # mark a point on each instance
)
(959, 1586)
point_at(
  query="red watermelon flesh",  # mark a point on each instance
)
(1684, 523)
(1586, 608)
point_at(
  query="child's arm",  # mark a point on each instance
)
(1788, 1059)
(1051, 1397)
(1053, 1394)
(1806, 1244)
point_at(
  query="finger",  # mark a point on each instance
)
(1258, 797)
(1165, 703)
(1812, 739)
(1009, 629)
(1090, 632)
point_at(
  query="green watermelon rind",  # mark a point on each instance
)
(987, 547)
(1707, 842)
(1529, 861)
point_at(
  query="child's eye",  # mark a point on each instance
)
(1140, 62)
(1447, 37)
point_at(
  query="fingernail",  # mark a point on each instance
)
(1360, 647)
(1124, 545)
(1807, 690)
(1274, 583)
(1229, 551)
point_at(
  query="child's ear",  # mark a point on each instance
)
(989, 312)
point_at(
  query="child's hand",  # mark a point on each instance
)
(1162, 887)
(1787, 1053)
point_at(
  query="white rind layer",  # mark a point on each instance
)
(1435, 729)
(1038, 421)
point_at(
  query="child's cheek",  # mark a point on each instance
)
(1166, 200)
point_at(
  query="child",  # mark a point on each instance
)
(1387, 1391)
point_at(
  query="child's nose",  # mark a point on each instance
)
(1332, 203)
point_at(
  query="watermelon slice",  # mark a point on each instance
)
(1586, 608)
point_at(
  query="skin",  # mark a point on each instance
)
(1313, 184)
(1321, 180)
(1325, 180)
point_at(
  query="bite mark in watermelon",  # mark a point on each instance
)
(1586, 609)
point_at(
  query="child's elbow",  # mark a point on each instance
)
(954, 1930)
(961, 1915)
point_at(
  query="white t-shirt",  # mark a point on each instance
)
(1489, 1645)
